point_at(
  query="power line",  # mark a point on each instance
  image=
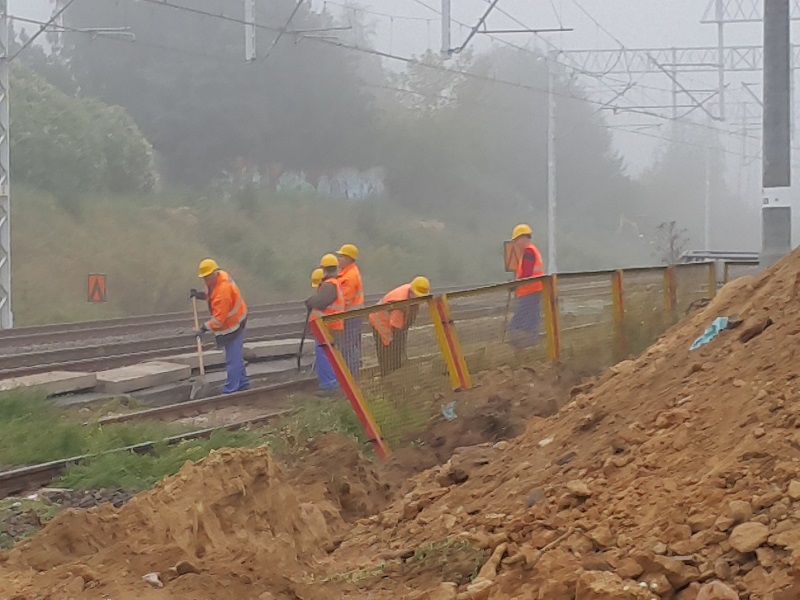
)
(417, 62)
(44, 26)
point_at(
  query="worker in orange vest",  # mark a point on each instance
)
(228, 320)
(327, 300)
(390, 327)
(353, 290)
(524, 325)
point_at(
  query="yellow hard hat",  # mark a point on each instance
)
(521, 229)
(420, 286)
(207, 267)
(349, 250)
(316, 277)
(329, 260)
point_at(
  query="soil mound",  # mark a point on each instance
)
(671, 472)
(227, 527)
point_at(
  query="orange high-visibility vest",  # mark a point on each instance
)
(538, 271)
(334, 308)
(352, 287)
(228, 308)
(386, 320)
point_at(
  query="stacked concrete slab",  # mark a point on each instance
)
(276, 348)
(138, 377)
(56, 382)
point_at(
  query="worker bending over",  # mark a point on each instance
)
(228, 320)
(353, 291)
(390, 327)
(327, 300)
(524, 325)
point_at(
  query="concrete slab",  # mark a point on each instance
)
(144, 375)
(211, 358)
(276, 348)
(57, 382)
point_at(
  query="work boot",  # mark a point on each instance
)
(327, 392)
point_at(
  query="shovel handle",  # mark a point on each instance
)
(199, 343)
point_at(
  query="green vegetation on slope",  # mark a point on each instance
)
(33, 430)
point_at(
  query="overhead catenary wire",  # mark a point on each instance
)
(441, 68)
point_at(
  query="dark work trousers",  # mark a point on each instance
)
(394, 355)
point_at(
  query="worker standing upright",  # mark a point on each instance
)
(524, 325)
(353, 291)
(390, 327)
(327, 300)
(228, 320)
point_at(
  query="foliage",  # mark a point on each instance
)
(132, 471)
(671, 242)
(70, 146)
(33, 430)
(186, 83)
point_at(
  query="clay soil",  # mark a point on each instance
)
(675, 475)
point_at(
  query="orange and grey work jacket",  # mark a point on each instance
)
(352, 287)
(227, 307)
(386, 321)
(329, 300)
(530, 265)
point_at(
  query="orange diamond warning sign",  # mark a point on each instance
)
(511, 257)
(97, 287)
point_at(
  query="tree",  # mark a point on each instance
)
(670, 242)
(70, 146)
(185, 82)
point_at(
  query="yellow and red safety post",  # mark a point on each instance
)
(618, 303)
(350, 388)
(551, 317)
(712, 279)
(449, 344)
(670, 294)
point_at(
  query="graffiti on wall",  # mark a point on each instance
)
(346, 183)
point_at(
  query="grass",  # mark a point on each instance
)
(33, 430)
(148, 246)
(136, 472)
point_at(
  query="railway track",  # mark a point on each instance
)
(116, 353)
(145, 325)
(22, 479)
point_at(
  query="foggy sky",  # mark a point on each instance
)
(634, 23)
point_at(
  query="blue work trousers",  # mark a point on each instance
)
(525, 324)
(236, 380)
(351, 345)
(325, 373)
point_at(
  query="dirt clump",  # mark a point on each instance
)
(672, 471)
(332, 470)
(233, 517)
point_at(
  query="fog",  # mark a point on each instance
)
(469, 135)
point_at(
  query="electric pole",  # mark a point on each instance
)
(250, 30)
(446, 27)
(6, 316)
(551, 162)
(776, 212)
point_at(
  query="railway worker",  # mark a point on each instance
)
(228, 320)
(327, 300)
(353, 290)
(390, 327)
(524, 325)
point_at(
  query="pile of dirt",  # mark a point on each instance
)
(671, 472)
(331, 469)
(674, 476)
(227, 527)
(495, 409)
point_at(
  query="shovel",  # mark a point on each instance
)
(200, 381)
(303, 339)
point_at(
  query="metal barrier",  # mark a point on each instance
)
(734, 269)
(398, 380)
